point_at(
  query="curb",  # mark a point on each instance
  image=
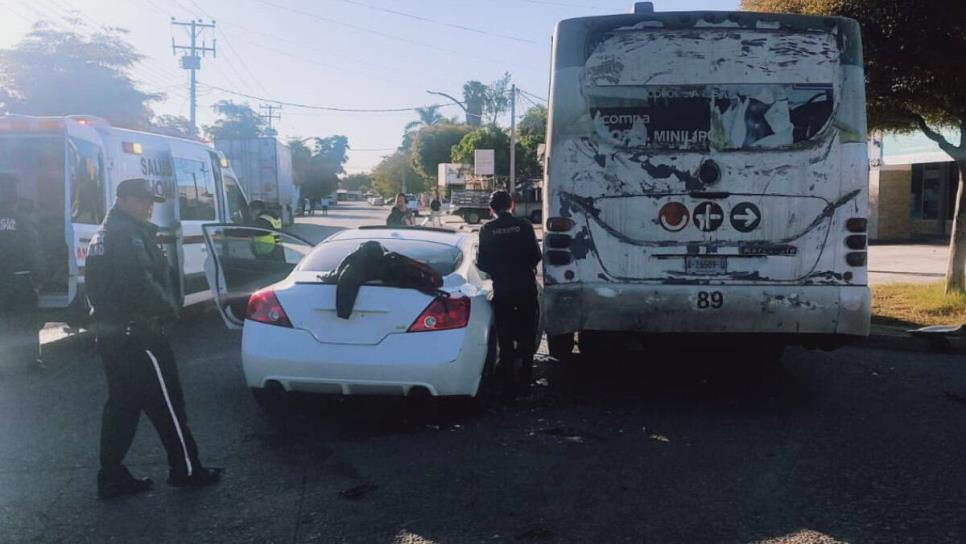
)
(897, 339)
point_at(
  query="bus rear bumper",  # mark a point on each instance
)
(661, 308)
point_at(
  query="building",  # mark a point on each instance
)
(912, 188)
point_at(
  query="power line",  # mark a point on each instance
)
(302, 45)
(434, 21)
(564, 4)
(531, 95)
(323, 108)
(376, 32)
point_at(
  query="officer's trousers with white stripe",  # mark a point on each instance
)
(142, 377)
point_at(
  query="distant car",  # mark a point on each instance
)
(376, 201)
(396, 341)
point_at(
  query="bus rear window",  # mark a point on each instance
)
(718, 117)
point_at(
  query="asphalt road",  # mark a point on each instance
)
(856, 445)
(850, 446)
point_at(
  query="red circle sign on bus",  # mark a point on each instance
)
(673, 216)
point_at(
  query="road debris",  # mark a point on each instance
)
(537, 533)
(358, 492)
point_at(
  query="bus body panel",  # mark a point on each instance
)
(639, 105)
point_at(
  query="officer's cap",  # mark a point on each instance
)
(138, 188)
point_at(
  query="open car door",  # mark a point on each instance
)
(242, 260)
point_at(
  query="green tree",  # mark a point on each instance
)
(497, 98)
(52, 71)
(356, 182)
(172, 125)
(915, 79)
(428, 117)
(488, 137)
(474, 100)
(236, 121)
(316, 169)
(434, 145)
(396, 173)
(532, 131)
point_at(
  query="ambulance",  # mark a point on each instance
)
(67, 169)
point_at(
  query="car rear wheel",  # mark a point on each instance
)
(472, 218)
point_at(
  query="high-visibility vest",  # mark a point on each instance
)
(266, 243)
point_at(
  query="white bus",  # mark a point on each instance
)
(707, 175)
(67, 168)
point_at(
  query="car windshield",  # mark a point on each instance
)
(443, 258)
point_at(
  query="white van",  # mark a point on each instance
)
(69, 167)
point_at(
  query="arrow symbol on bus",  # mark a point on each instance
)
(745, 217)
(749, 217)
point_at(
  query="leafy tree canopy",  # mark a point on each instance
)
(497, 98)
(474, 99)
(53, 71)
(172, 125)
(316, 168)
(434, 145)
(356, 182)
(532, 133)
(427, 117)
(235, 121)
(396, 173)
(488, 137)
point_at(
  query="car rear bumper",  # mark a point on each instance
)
(660, 308)
(444, 362)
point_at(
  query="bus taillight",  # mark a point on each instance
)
(559, 224)
(856, 224)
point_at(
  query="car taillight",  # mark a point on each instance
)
(443, 313)
(263, 307)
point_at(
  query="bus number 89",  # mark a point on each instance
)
(706, 300)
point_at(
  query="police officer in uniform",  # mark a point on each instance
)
(20, 266)
(509, 254)
(267, 246)
(129, 287)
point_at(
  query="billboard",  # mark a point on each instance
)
(484, 161)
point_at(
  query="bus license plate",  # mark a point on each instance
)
(706, 265)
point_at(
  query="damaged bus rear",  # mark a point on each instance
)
(707, 173)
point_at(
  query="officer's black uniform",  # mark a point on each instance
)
(20, 267)
(509, 253)
(128, 284)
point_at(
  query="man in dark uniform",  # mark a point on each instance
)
(128, 283)
(509, 253)
(20, 267)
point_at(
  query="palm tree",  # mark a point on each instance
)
(428, 117)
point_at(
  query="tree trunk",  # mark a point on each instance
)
(956, 269)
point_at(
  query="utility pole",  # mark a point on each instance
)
(271, 115)
(191, 59)
(513, 139)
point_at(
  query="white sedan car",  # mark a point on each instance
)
(395, 342)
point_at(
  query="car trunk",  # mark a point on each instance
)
(378, 311)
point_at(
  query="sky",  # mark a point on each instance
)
(355, 54)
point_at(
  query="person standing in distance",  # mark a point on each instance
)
(400, 215)
(129, 288)
(20, 267)
(509, 253)
(435, 211)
